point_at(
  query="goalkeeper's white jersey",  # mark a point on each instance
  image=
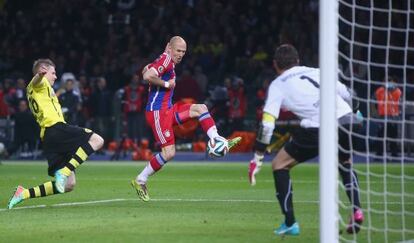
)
(297, 90)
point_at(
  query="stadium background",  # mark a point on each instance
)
(230, 44)
(100, 45)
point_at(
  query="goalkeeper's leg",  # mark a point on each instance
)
(350, 182)
(349, 179)
(281, 166)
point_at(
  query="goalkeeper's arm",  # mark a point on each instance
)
(264, 135)
(348, 95)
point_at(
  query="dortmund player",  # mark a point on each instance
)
(64, 146)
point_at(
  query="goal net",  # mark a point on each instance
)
(376, 59)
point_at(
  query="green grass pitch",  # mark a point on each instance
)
(191, 202)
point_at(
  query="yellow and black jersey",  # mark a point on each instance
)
(44, 104)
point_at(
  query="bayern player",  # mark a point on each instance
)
(297, 89)
(162, 115)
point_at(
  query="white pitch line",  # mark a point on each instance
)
(175, 200)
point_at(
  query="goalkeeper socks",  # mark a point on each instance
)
(42, 190)
(208, 125)
(350, 182)
(77, 159)
(283, 186)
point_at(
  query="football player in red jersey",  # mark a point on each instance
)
(161, 114)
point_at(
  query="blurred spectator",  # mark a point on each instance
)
(4, 108)
(101, 103)
(26, 130)
(187, 87)
(70, 103)
(85, 94)
(261, 94)
(217, 103)
(237, 105)
(135, 97)
(201, 79)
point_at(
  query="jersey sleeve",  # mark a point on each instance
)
(343, 91)
(162, 64)
(274, 100)
(39, 85)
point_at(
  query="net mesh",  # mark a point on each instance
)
(376, 48)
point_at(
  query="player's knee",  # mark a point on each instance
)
(203, 108)
(70, 186)
(168, 154)
(96, 141)
(198, 109)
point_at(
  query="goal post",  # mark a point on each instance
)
(328, 173)
(368, 45)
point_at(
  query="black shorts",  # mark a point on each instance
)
(60, 142)
(304, 143)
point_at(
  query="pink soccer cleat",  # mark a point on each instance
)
(355, 222)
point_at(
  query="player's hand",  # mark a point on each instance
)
(42, 71)
(171, 83)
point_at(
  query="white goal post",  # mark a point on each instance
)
(369, 46)
(328, 172)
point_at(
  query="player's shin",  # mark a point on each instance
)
(208, 125)
(284, 191)
(154, 165)
(350, 182)
(42, 190)
(81, 154)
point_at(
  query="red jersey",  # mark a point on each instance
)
(160, 98)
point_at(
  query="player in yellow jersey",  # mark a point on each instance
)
(64, 146)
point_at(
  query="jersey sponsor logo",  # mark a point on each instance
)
(160, 69)
(167, 133)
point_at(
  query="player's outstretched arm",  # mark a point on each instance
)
(39, 75)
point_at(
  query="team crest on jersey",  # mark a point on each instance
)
(160, 69)
(167, 133)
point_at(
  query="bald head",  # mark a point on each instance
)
(177, 40)
(176, 48)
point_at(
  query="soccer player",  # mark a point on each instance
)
(297, 89)
(161, 114)
(65, 146)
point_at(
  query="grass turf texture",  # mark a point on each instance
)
(191, 202)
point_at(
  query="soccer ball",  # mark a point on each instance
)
(217, 147)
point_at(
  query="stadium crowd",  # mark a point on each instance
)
(100, 46)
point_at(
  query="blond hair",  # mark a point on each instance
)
(41, 62)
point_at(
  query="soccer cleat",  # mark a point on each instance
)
(254, 168)
(233, 142)
(61, 180)
(16, 198)
(285, 230)
(355, 222)
(142, 191)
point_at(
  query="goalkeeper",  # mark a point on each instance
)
(297, 89)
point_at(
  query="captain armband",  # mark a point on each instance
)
(265, 132)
